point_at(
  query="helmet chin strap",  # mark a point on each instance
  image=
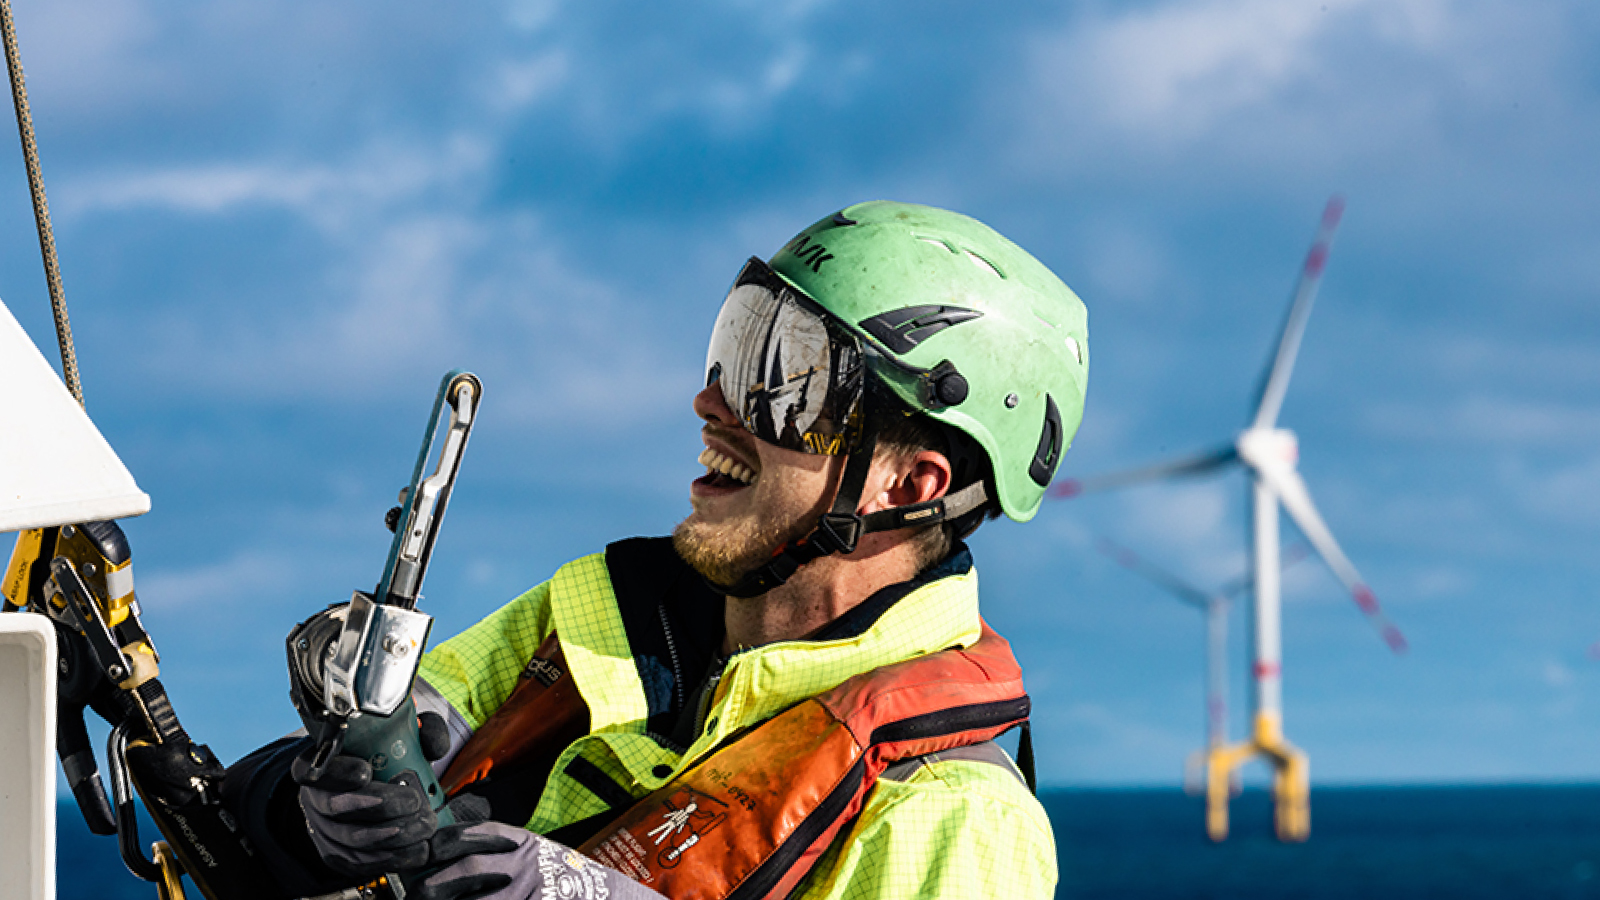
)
(841, 528)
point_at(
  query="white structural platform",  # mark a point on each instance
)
(27, 742)
(55, 467)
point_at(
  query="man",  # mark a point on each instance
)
(806, 648)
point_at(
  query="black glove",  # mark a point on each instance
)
(364, 828)
(495, 861)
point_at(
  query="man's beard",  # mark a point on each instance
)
(783, 505)
(779, 510)
(725, 552)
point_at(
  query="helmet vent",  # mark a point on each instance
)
(1048, 455)
(984, 264)
(903, 329)
(1077, 352)
(937, 243)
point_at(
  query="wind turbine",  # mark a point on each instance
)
(1270, 454)
(1216, 605)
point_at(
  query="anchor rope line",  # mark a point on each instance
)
(41, 207)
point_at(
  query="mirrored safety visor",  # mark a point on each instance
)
(790, 373)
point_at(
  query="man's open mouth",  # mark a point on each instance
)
(725, 472)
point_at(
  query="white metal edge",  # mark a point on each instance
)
(37, 881)
(87, 510)
(96, 486)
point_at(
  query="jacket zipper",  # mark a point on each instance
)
(672, 651)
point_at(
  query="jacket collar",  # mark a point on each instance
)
(933, 612)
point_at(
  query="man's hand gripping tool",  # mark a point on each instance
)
(351, 666)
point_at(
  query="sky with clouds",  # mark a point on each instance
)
(280, 223)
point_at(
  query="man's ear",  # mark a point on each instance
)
(908, 479)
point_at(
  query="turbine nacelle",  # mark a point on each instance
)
(1268, 449)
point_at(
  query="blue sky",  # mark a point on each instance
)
(279, 224)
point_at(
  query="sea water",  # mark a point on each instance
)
(1377, 843)
(1373, 843)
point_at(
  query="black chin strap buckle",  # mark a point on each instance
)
(836, 533)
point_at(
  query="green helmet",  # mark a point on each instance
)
(969, 330)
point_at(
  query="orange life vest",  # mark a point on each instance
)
(750, 819)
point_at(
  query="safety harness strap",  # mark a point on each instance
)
(944, 509)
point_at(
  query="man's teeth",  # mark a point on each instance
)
(716, 462)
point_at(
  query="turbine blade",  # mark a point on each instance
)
(1133, 562)
(1199, 464)
(1276, 381)
(1296, 498)
(1295, 553)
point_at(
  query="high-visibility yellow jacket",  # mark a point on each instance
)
(640, 634)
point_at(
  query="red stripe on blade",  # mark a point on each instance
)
(1333, 211)
(1316, 260)
(1365, 599)
(1071, 487)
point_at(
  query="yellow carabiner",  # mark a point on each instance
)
(170, 887)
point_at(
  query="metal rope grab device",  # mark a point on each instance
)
(351, 666)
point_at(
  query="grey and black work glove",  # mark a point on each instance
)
(495, 861)
(364, 828)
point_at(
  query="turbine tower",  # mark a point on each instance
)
(1271, 455)
(1216, 605)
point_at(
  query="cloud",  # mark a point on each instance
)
(335, 197)
(531, 15)
(1556, 674)
(521, 83)
(1194, 524)
(422, 269)
(244, 577)
(90, 54)
(1563, 493)
(733, 95)
(1174, 71)
(1435, 582)
(1480, 357)
(1488, 420)
(493, 291)
(1134, 263)
(1262, 86)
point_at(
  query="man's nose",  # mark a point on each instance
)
(710, 405)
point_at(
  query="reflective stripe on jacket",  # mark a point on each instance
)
(640, 630)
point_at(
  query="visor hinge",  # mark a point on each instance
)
(944, 386)
(837, 533)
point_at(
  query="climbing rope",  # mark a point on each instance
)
(41, 208)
